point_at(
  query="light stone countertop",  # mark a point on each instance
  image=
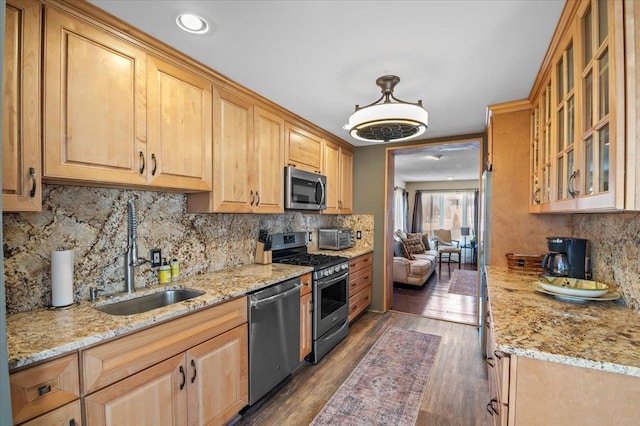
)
(602, 335)
(46, 333)
(350, 252)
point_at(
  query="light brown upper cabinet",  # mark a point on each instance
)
(337, 165)
(179, 127)
(582, 161)
(248, 172)
(21, 164)
(303, 149)
(115, 116)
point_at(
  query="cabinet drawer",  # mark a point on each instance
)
(42, 388)
(359, 302)
(115, 360)
(305, 280)
(360, 262)
(359, 280)
(69, 415)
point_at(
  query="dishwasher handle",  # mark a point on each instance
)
(257, 303)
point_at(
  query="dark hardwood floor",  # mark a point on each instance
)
(433, 299)
(456, 394)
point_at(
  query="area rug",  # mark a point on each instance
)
(464, 282)
(386, 387)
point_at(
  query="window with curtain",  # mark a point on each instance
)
(449, 210)
(400, 207)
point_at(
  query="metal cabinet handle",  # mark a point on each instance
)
(536, 196)
(498, 354)
(490, 362)
(43, 390)
(32, 173)
(155, 164)
(253, 197)
(258, 195)
(72, 422)
(490, 408)
(570, 189)
(184, 378)
(193, 364)
(141, 162)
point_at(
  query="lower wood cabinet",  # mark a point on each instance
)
(45, 387)
(528, 391)
(189, 371)
(306, 316)
(208, 384)
(67, 415)
(360, 269)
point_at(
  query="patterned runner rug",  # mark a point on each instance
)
(386, 387)
(464, 282)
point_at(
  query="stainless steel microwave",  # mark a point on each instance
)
(304, 190)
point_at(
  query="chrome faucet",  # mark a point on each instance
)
(131, 256)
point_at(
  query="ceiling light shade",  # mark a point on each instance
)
(192, 23)
(388, 120)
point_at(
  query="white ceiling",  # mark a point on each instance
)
(319, 58)
(457, 161)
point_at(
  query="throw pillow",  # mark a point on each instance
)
(401, 234)
(423, 237)
(405, 252)
(414, 245)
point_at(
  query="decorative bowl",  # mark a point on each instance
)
(573, 286)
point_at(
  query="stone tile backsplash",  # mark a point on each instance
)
(615, 250)
(93, 222)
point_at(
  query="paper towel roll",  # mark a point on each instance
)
(62, 278)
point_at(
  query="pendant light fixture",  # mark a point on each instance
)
(388, 121)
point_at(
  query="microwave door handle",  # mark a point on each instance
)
(323, 192)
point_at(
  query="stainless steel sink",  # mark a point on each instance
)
(149, 302)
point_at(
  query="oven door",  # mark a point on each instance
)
(330, 303)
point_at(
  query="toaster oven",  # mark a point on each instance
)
(335, 239)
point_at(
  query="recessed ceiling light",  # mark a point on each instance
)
(192, 23)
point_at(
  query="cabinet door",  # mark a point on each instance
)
(331, 169)
(345, 201)
(267, 174)
(21, 166)
(306, 313)
(94, 104)
(155, 396)
(303, 149)
(232, 142)
(218, 378)
(180, 129)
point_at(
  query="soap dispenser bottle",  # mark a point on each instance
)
(164, 274)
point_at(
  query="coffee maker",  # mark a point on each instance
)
(566, 257)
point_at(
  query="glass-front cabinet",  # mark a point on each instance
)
(577, 120)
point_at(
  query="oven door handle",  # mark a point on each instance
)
(257, 303)
(331, 281)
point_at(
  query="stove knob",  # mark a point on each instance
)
(345, 266)
(326, 272)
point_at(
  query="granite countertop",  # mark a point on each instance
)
(602, 335)
(350, 252)
(41, 334)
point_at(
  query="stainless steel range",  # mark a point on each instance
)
(330, 289)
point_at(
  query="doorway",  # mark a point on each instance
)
(443, 176)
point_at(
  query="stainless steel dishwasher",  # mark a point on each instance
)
(274, 336)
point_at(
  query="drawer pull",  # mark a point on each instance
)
(141, 162)
(490, 362)
(72, 422)
(32, 173)
(155, 164)
(42, 390)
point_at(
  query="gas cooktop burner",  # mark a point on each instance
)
(315, 260)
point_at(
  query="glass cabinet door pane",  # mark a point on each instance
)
(602, 21)
(587, 37)
(603, 83)
(569, 172)
(560, 134)
(559, 175)
(588, 166)
(588, 101)
(570, 79)
(603, 164)
(559, 80)
(570, 121)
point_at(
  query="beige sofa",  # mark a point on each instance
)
(415, 272)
